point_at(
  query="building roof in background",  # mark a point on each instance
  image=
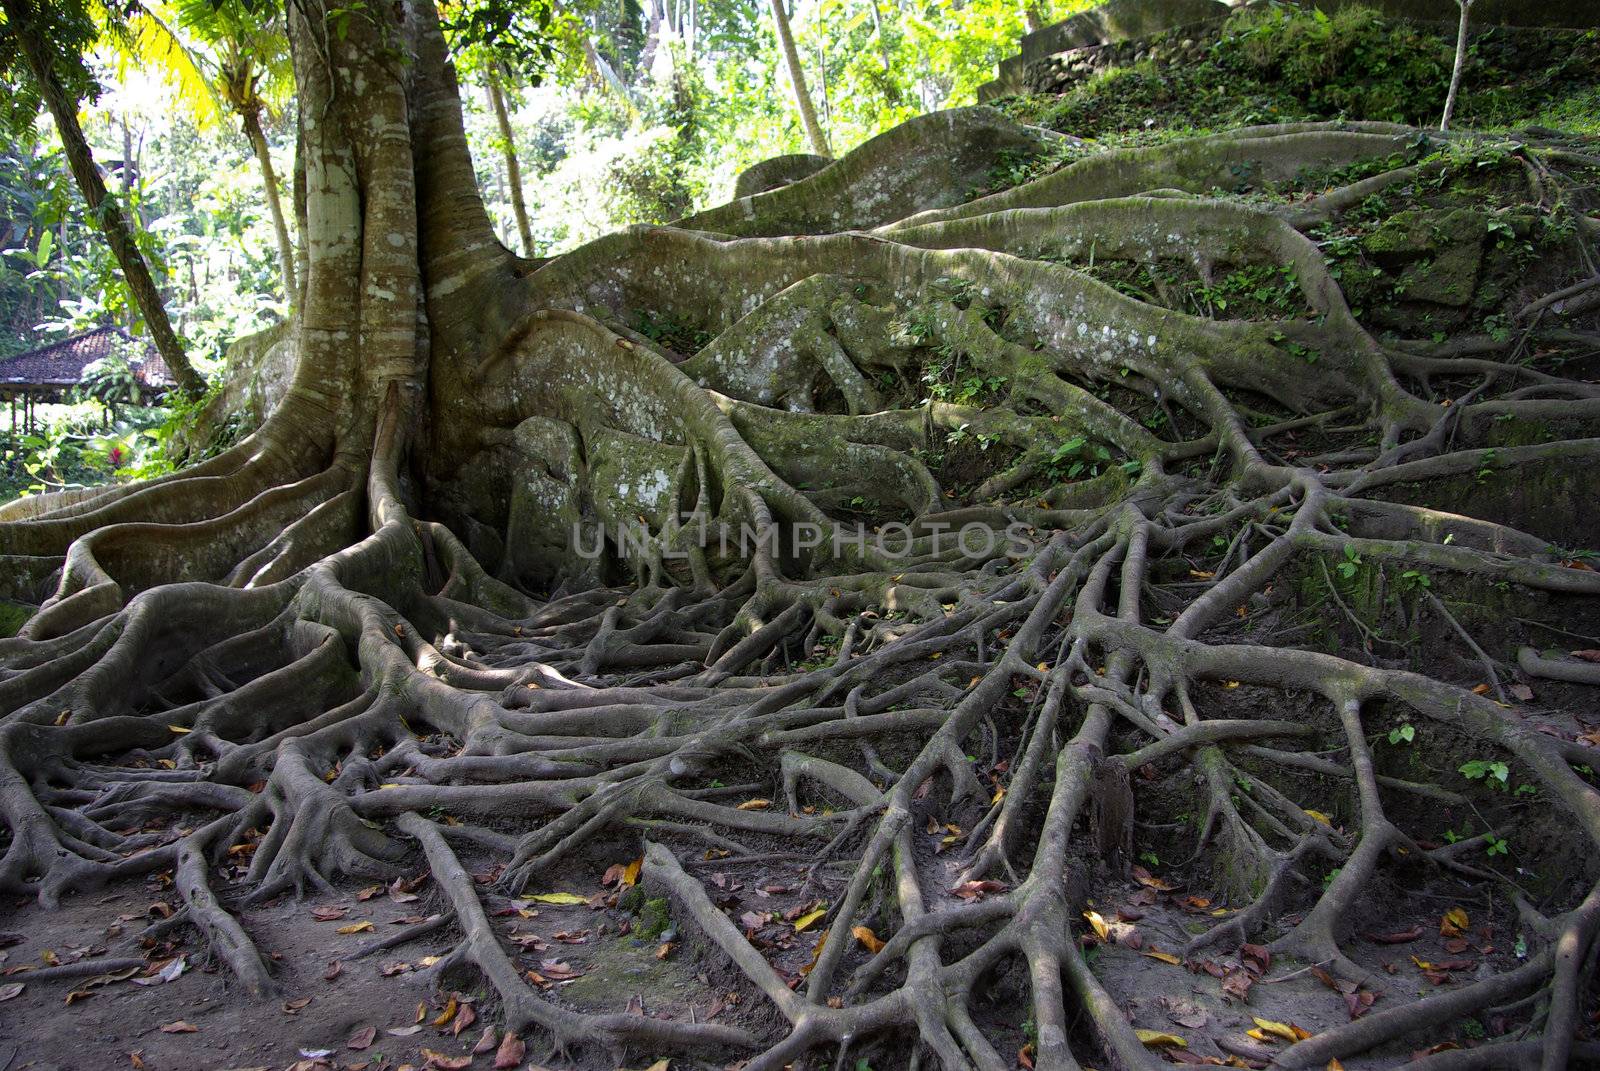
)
(61, 364)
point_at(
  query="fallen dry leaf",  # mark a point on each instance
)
(363, 1038)
(558, 898)
(1156, 1039)
(510, 1052)
(9, 991)
(440, 1062)
(356, 927)
(465, 1018)
(180, 1027)
(1150, 881)
(1282, 1031)
(1395, 938)
(449, 1012)
(868, 938)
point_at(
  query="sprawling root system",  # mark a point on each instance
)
(787, 548)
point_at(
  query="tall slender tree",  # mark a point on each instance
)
(797, 81)
(50, 38)
(493, 75)
(1459, 65)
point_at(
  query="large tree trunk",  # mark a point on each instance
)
(508, 147)
(103, 208)
(1128, 586)
(251, 120)
(797, 81)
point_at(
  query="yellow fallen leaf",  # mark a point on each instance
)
(445, 1016)
(999, 794)
(816, 954)
(1155, 1039)
(659, 1065)
(809, 918)
(356, 927)
(1335, 1065)
(1100, 928)
(935, 656)
(755, 805)
(1319, 816)
(630, 874)
(179, 729)
(558, 898)
(1164, 957)
(1454, 923)
(1201, 574)
(1285, 1031)
(868, 938)
(1230, 684)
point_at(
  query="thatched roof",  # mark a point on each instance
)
(61, 364)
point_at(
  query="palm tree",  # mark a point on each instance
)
(243, 68)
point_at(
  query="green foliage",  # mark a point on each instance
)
(1353, 62)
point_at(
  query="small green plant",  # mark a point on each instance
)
(1485, 467)
(1351, 565)
(1496, 846)
(1405, 734)
(1412, 580)
(1077, 456)
(1497, 774)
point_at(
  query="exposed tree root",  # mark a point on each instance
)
(327, 644)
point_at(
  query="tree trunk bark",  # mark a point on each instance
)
(1032, 17)
(102, 207)
(280, 226)
(797, 80)
(502, 118)
(1455, 71)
